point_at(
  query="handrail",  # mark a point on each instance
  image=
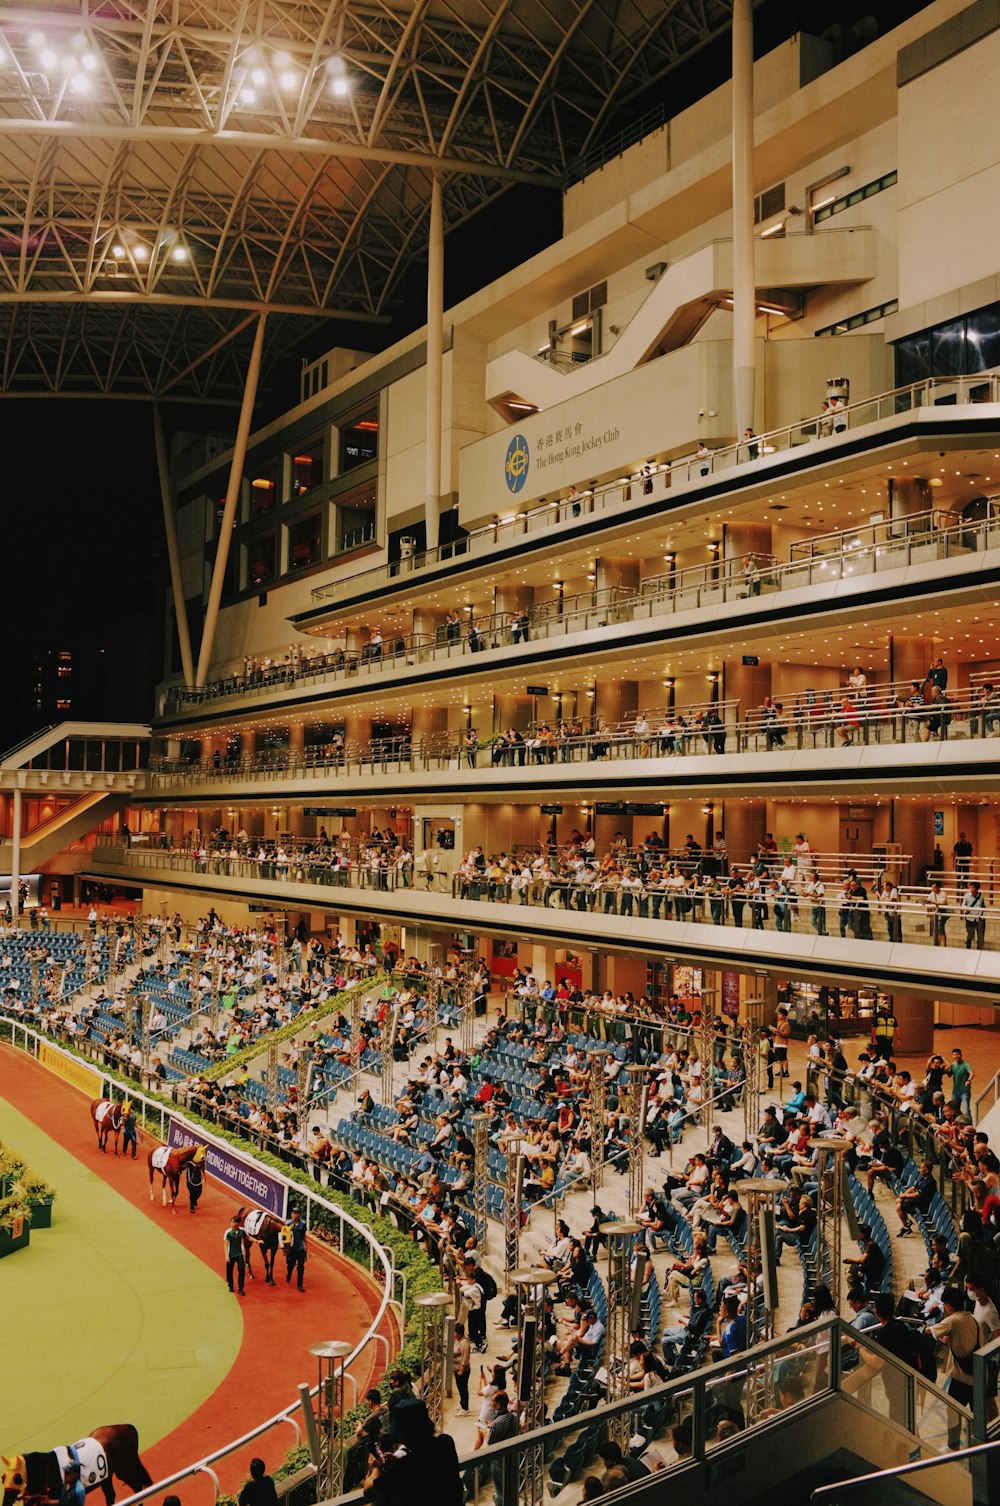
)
(743, 577)
(376, 1250)
(679, 906)
(991, 1092)
(688, 470)
(895, 1470)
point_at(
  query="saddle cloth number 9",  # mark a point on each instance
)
(93, 1462)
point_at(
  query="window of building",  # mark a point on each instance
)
(856, 321)
(306, 467)
(355, 519)
(305, 541)
(263, 487)
(959, 347)
(259, 556)
(857, 195)
(359, 440)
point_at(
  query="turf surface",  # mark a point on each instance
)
(106, 1318)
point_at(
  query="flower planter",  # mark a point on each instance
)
(41, 1213)
(9, 1241)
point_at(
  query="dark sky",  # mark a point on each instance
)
(81, 481)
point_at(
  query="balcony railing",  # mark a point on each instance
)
(898, 713)
(918, 916)
(820, 562)
(690, 472)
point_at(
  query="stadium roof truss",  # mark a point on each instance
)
(171, 169)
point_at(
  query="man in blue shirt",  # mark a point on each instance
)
(732, 1329)
(73, 1493)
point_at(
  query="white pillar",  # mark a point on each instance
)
(232, 497)
(744, 279)
(15, 854)
(435, 360)
(173, 552)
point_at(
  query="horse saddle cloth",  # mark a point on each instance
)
(160, 1157)
(93, 1462)
(102, 1111)
(254, 1222)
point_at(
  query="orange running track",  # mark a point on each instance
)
(279, 1323)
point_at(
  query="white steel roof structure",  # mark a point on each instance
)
(171, 169)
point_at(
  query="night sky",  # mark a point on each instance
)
(81, 480)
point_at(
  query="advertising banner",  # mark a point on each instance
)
(235, 1171)
(71, 1070)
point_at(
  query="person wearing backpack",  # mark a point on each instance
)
(477, 1289)
(958, 1331)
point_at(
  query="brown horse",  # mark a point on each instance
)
(109, 1119)
(170, 1161)
(264, 1229)
(109, 1453)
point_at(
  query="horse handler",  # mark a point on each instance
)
(235, 1262)
(129, 1131)
(294, 1241)
(194, 1174)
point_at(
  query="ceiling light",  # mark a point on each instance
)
(80, 83)
(341, 87)
(259, 77)
(118, 251)
(47, 58)
(179, 253)
(248, 96)
(141, 252)
(89, 61)
(289, 80)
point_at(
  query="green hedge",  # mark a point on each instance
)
(242, 1059)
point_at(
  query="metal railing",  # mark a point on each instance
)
(870, 549)
(919, 920)
(690, 471)
(751, 1385)
(150, 1111)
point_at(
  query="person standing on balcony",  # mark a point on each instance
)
(938, 674)
(973, 908)
(704, 455)
(961, 1081)
(753, 448)
(962, 853)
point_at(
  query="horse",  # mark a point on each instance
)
(264, 1229)
(109, 1119)
(108, 1453)
(170, 1162)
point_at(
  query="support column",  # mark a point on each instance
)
(229, 512)
(744, 276)
(173, 552)
(914, 1024)
(296, 756)
(15, 855)
(435, 362)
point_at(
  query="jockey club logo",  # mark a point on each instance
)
(515, 466)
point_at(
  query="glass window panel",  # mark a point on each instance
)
(263, 488)
(306, 467)
(305, 540)
(913, 360)
(982, 338)
(260, 560)
(359, 441)
(948, 349)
